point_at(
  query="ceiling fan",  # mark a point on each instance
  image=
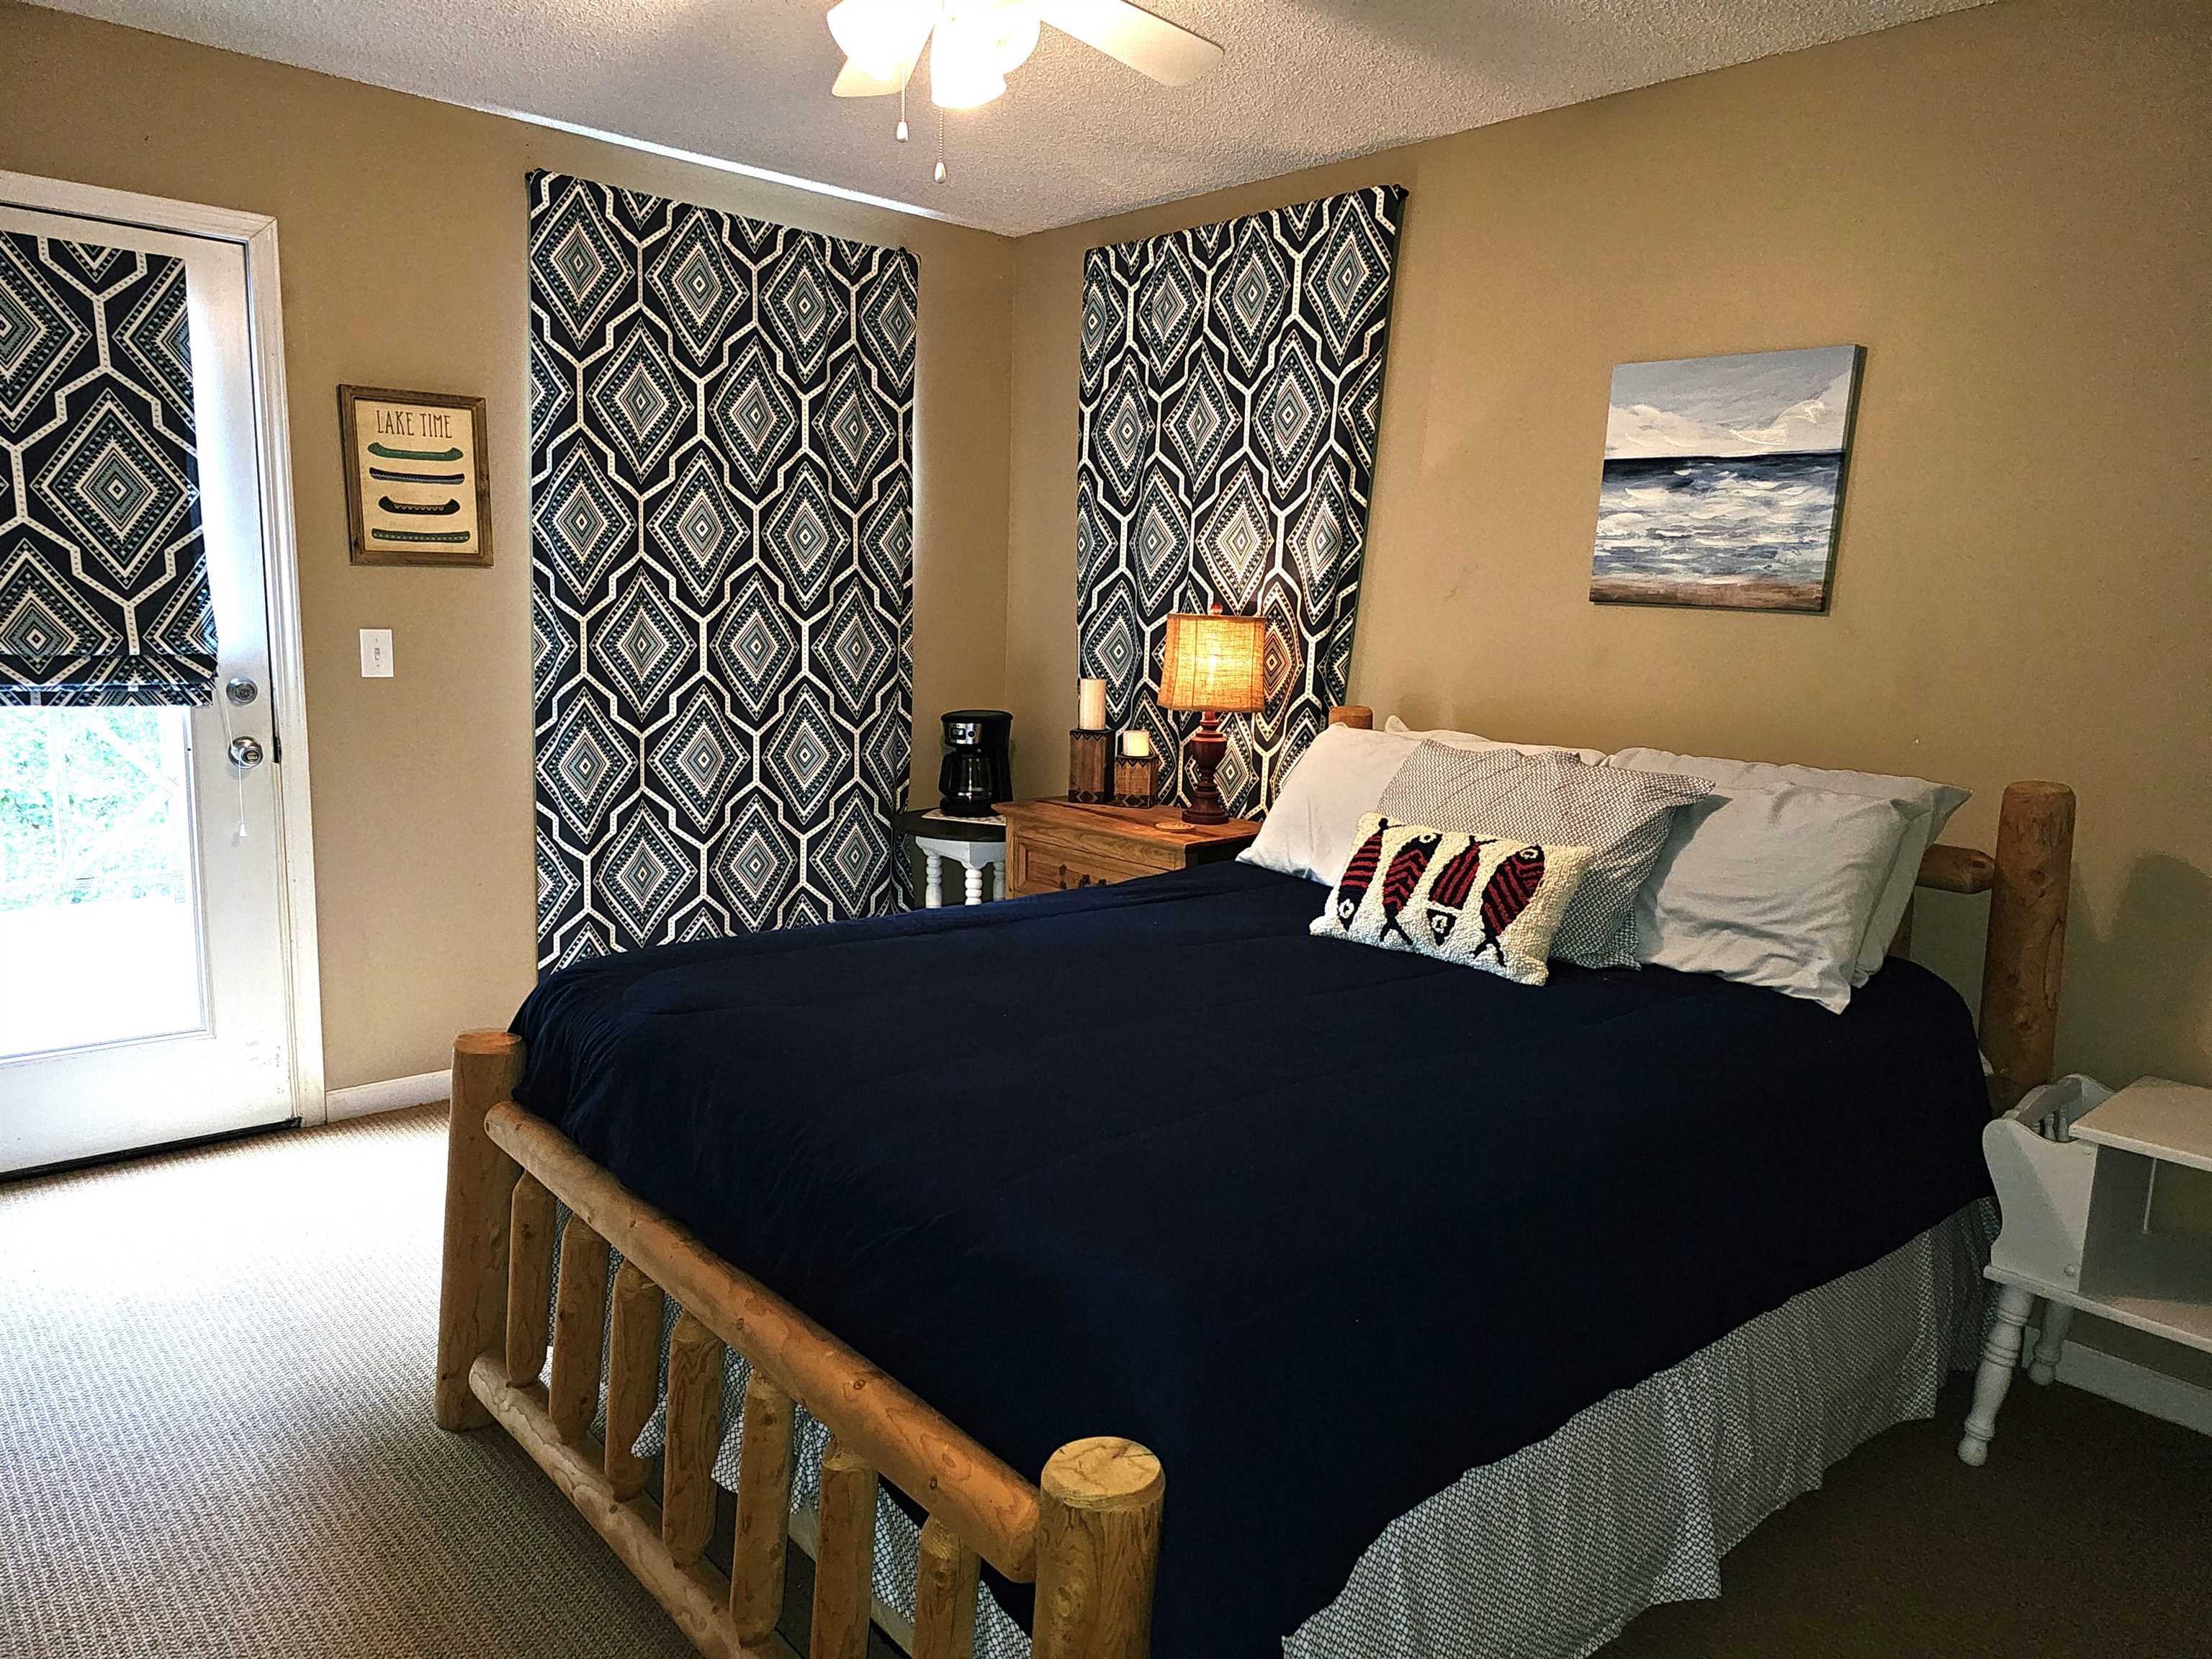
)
(978, 42)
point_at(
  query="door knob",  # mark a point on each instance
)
(245, 752)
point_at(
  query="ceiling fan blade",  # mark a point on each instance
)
(853, 82)
(1152, 45)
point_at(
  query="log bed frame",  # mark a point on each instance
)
(1087, 1533)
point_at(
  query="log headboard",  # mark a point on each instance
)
(2027, 880)
(2024, 946)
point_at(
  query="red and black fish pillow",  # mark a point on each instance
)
(1483, 902)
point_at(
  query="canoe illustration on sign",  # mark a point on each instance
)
(385, 451)
(435, 509)
(450, 537)
(386, 475)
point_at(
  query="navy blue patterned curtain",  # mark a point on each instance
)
(1231, 396)
(103, 576)
(722, 587)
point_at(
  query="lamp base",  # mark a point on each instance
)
(1206, 747)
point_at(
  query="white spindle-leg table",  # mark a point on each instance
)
(974, 844)
(2077, 1174)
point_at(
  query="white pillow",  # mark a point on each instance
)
(1772, 887)
(1314, 824)
(1927, 808)
(1398, 728)
(1552, 799)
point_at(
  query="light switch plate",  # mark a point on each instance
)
(376, 653)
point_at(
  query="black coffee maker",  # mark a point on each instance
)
(978, 766)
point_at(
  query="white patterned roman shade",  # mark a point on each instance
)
(103, 573)
(1231, 400)
(721, 589)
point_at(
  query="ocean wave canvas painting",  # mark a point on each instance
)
(1724, 480)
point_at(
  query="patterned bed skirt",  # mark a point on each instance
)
(1547, 1553)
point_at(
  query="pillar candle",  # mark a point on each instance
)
(1136, 744)
(1090, 706)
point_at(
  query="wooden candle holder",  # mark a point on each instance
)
(1136, 780)
(1089, 766)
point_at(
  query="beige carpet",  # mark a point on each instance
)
(215, 1387)
(214, 1439)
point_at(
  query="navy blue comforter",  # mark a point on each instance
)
(1323, 1225)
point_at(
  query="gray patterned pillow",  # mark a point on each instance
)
(1622, 817)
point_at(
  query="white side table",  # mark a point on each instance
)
(974, 844)
(2076, 1192)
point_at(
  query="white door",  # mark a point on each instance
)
(143, 958)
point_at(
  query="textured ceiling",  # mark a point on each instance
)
(1076, 136)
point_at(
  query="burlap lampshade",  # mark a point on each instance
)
(1215, 662)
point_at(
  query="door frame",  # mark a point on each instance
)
(256, 232)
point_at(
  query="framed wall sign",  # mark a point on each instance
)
(418, 483)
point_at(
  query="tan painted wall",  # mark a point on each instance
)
(422, 782)
(2006, 207)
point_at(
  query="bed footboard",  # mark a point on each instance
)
(1087, 1534)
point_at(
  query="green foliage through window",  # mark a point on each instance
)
(94, 806)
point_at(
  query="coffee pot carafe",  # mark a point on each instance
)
(977, 770)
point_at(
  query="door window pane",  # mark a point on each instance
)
(99, 918)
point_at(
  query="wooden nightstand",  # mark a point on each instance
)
(1053, 845)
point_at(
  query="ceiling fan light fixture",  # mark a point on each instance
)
(1014, 29)
(882, 37)
(974, 45)
(963, 72)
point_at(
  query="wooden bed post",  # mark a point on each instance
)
(844, 1554)
(2026, 944)
(944, 1595)
(763, 1524)
(1357, 715)
(580, 1333)
(479, 1185)
(633, 1377)
(529, 1279)
(1098, 1541)
(693, 1434)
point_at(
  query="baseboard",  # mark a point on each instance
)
(396, 1095)
(2153, 1393)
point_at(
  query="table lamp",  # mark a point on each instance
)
(1216, 665)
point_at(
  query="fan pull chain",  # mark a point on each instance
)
(903, 79)
(237, 772)
(940, 173)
